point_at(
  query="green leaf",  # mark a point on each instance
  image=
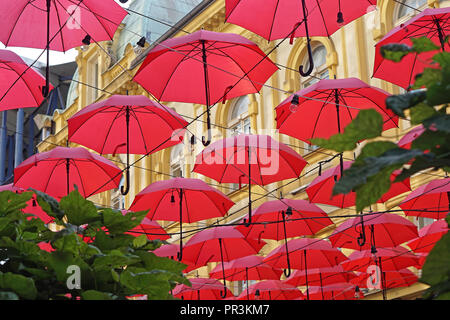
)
(440, 122)
(49, 204)
(140, 241)
(423, 44)
(78, 210)
(374, 149)
(399, 103)
(421, 112)
(428, 77)
(395, 51)
(95, 295)
(117, 223)
(367, 124)
(152, 261)
(21, 285)
(114, 259)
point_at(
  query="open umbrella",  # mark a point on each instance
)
(428, 236)
(171, 251)
(393, 279)
(58, 24)
(431, 200)
(55, 172)
(201, 289)
(126, 124)
(204, 67)
(430, 23)
(295, 218)
(183, 200)
(218, 244)
(305, 254)
(32, 205)
(271, 290)
(256, 159)
(373, 231)
(151, 229)
(20, 85)
(328, 106)
(246, 268)
(278, 19)
(335, 291)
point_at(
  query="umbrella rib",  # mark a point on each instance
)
(140, 129)
(15, 24)
(226, 163)
(79, 175)
(60, 27)
(274, 18)
(320, 112)
(187, 210)
(323, 18)
(50, 176)
(109, 130)
(159, 202)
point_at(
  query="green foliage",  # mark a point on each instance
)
(113, 265)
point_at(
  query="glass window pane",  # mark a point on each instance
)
(240, 107)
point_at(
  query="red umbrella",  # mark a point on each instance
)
(171, 251)
(202, 289)
(428, 201)
(58, 25)
(336, 291)
(328, 106)
(223, 243)
(430, 23)
(20, 86)
(394, 279)
(296, 218)
(196, 201)
(108, 125)
(320, 276)
(279, 19)
(383, 230)
(56, 172)
(407, 140)
(257, 158)
(204, 67)
(320, 190)
(271, 290)
(32, 205)
(151, 229)
(246, 268)
(305, 254)
(428, 236)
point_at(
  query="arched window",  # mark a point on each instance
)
(177, 160)
(406, 9)
(239, 121)
(320, 70)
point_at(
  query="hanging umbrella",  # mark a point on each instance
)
(428, 201)
(320, 276)
(328, 106)
(256, 159)
(171, 251)
(373, 231)
(183, 200)
(296, 218)
(406, 141)
(58, 24)
(126, 124)
(20, 86)
(201, 289)
(151, 229)
(335, 291)
(271, 290)
(216, 244)
(245, 269)
(320, 190)
(204, 67)
(394, 279)
(305, 254)
(278, 19)
(428, 236)
(430, 23)
(56, 172)
(32, 205)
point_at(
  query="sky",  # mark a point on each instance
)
(55, 57)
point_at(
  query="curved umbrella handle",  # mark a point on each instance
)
(124, 191)
(311, 61)
(207, 141)
(223, 294)
(362, 235)
(286, 272)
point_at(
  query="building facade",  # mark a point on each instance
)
(108, 68)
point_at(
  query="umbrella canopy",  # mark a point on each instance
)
(406, 141)
(56, 172)
(271, 290)
(328, 106)
(428, 236)
(336, 291)
(320, 276)
(151, 229)
(278, 18)
(428, 201)
(394, 279)
(377, 230)
(171, 251)
(320, 190)
(25, 22)
(201, 289)
(430, 23)
(246, 268)
(392, 259)
(32, 205)
(204, 67)
(20, 85)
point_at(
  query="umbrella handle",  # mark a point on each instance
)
(362, 235)
(310, 55)
(205, 141)
(223, 294)
(286, 272)
(124, 191)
